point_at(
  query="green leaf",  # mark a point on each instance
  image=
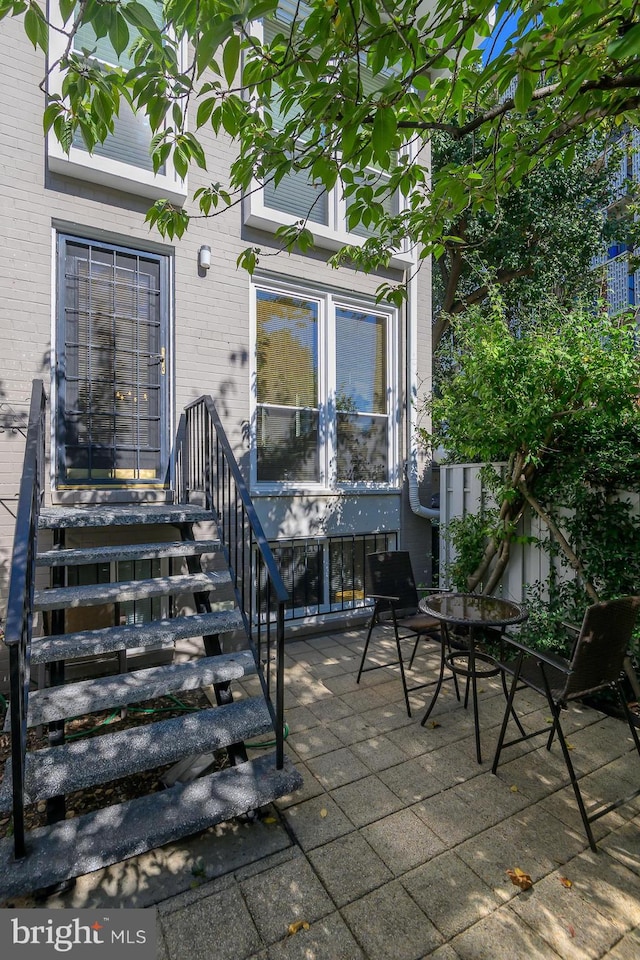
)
(66, 8)
(51, 113)
(383, 134)
(119, 34)
(36, 28)
(205, 109)
(422, 82)
(231, 58)
(627, 45)
(524, 91)
(139, 16)
(209, 42)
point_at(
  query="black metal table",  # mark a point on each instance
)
(473, 612)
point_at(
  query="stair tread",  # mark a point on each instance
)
(85, 763)
(104, 693)
(129, 551)
(81, 845)
(52, 518)
(95, 594)
(86, 643)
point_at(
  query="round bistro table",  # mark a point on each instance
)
(474, 612)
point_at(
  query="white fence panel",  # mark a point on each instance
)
(461, 493)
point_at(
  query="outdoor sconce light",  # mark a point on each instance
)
(204, 258)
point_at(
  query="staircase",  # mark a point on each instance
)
(66, 848)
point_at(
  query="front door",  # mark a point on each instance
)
(112, 367)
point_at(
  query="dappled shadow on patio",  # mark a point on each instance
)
(397, 846)
(396, 818)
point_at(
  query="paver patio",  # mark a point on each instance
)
(397, 846)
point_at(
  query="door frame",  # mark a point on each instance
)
(116, 489)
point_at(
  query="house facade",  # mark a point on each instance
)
(314, 381)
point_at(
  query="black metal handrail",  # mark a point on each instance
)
(208, 468)
(19, 620)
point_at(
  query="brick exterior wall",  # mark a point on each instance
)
(211, 352)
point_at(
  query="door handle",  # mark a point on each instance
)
(160, 358)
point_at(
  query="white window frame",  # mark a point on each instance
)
(328, 301)
(333, 235)
(94, 168)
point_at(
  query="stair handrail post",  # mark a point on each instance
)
(182, 461)
(205, 409)
(19, 619)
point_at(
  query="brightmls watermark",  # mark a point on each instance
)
(80, 934)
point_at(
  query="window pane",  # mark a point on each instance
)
(287, 342)
(287, 444)
(347, 564)
(297, 195)
(301, 569)
(362, 448)
(361, 351)
(131, 138)
(390, 205)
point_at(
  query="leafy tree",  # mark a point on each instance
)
(351, 91)
(541, 238)
(557, 399)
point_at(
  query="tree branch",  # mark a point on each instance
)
(563, 543)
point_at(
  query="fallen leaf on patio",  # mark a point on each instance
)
(324, 812)
(548, 719)
(433, 724)
(572, 930)
(570, 746)
(566, 882)
(297, 927)
(519, 878)
(270, 820)
(514, 788)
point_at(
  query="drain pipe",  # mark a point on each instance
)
(428, 513)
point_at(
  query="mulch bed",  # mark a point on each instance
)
(94, 725)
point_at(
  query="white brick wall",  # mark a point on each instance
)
(212, 337)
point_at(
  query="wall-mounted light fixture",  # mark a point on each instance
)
(204, 257)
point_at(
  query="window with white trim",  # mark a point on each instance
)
(297, 196)
(123, 161)
(325, 390)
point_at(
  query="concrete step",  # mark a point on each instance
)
(95, 594)
(135, 551)
(85, 763)
(59, 518)
(74, 847)
(105, 693)
(88, 643)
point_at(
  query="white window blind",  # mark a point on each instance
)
(131, 138)
(361, 396)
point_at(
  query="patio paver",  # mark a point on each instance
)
(398, 843)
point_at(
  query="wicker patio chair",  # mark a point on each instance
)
(390, 583)
(596, 664)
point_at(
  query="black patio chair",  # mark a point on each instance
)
(390, 583)
(597, 663)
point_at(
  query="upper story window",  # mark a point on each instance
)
(326, 390)
(123, 161)
(297, 196)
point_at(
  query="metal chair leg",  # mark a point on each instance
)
(372, 624)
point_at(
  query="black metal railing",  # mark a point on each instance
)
(207, 470)
(19, 620)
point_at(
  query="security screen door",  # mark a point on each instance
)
(111, 366)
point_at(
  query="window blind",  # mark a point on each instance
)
(131, 138)
(287, 342)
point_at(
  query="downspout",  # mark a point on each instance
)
(428, 513)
